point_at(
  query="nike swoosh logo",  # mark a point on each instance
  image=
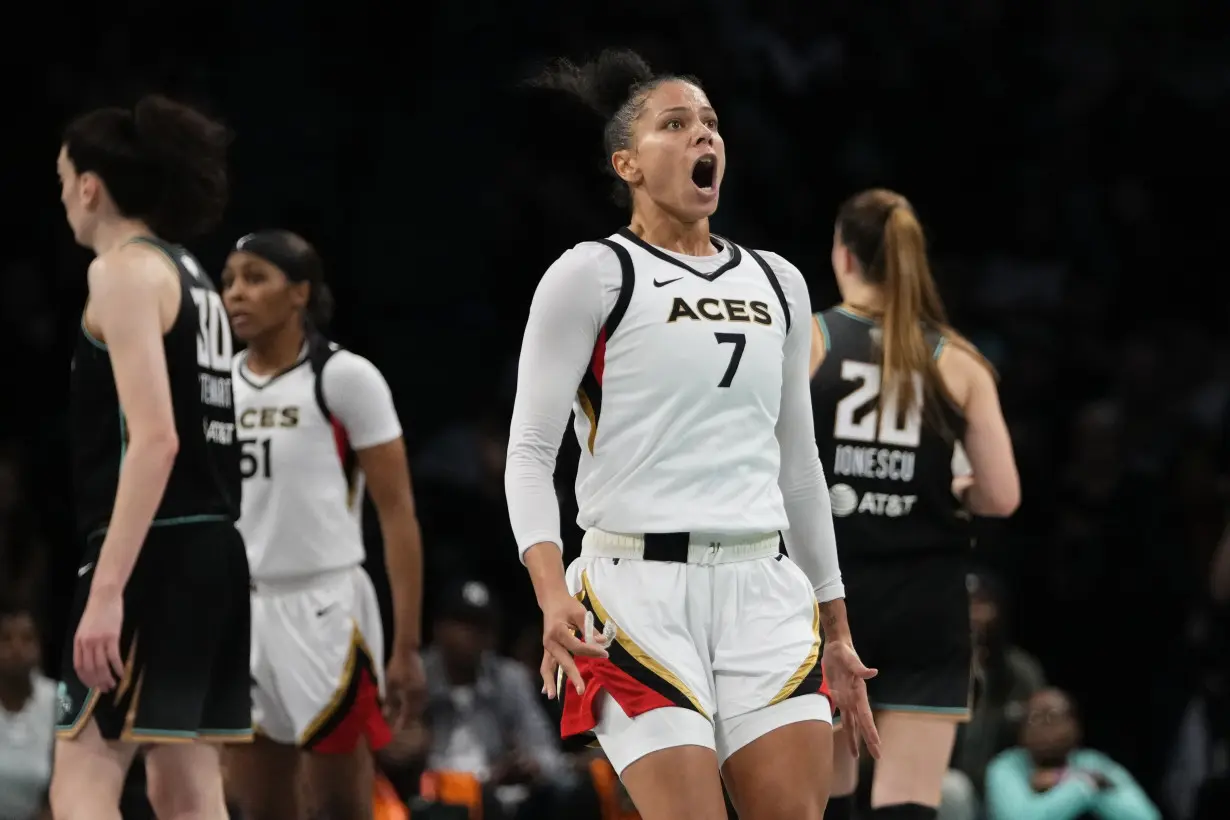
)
(658, 284)
(85, 569)
(323, 610)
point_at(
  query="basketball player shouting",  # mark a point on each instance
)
(686, 357)
(159, 655)
(313, 421)
(896, 391)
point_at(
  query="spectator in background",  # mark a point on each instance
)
(28, 707)
(1050, 777)
(483, 716)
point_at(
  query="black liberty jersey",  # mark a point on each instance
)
(204, 483)
(890, 473)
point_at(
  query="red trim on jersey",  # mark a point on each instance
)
(364, 719)
(340, 439)
(597, 364)
(599, 674)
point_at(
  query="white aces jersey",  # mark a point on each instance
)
(677, 408)
(299, 431)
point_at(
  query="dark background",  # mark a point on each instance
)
(1066, 157)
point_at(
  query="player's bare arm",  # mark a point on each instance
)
(996, 486)
(134, 298)
(389, 484)
(130, 307)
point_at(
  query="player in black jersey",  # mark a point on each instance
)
(897, 393)
(159, 651)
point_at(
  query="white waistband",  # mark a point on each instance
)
(297, 583)
(702, 548)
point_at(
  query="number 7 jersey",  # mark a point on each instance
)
(890, 473)
(677, 412)
(298, 432)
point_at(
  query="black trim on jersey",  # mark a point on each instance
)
(589, 391)
(272, 378)
(320, 351)
(776, 285)
(627, 282)
(719, 243)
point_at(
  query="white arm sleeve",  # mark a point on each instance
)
(360, 398)
(570, 305)
(810, 540)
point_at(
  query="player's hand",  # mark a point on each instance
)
(96, 646)
(960, 484)
(405, 688)
(564, 628)
(847, 679)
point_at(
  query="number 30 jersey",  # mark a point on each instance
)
(676, 404)
(299, 431)
(890, 473)
(204, 481)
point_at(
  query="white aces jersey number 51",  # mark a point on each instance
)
(298, 432)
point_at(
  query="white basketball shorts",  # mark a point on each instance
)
(715, 652)
(318, 662)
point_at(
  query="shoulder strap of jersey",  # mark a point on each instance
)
(823, 324)
(940, 343)
(320, 351)
(777, 286)
(627, 282)
(934, 337)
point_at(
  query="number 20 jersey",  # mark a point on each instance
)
(302, 487)
(676, 413)
(890, 474)
(204, 480)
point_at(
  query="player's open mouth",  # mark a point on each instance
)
(704, 172)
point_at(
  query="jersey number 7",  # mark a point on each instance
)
(739, 340)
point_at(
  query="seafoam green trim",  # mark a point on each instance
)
(177, 521)
(90, 336)
(824, 331)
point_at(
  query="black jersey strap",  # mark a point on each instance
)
(320, 351)
(776, 285)
(627, 282)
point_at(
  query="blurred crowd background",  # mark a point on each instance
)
(1065, 155)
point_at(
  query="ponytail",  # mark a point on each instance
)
(883, 232)
(908, 287)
